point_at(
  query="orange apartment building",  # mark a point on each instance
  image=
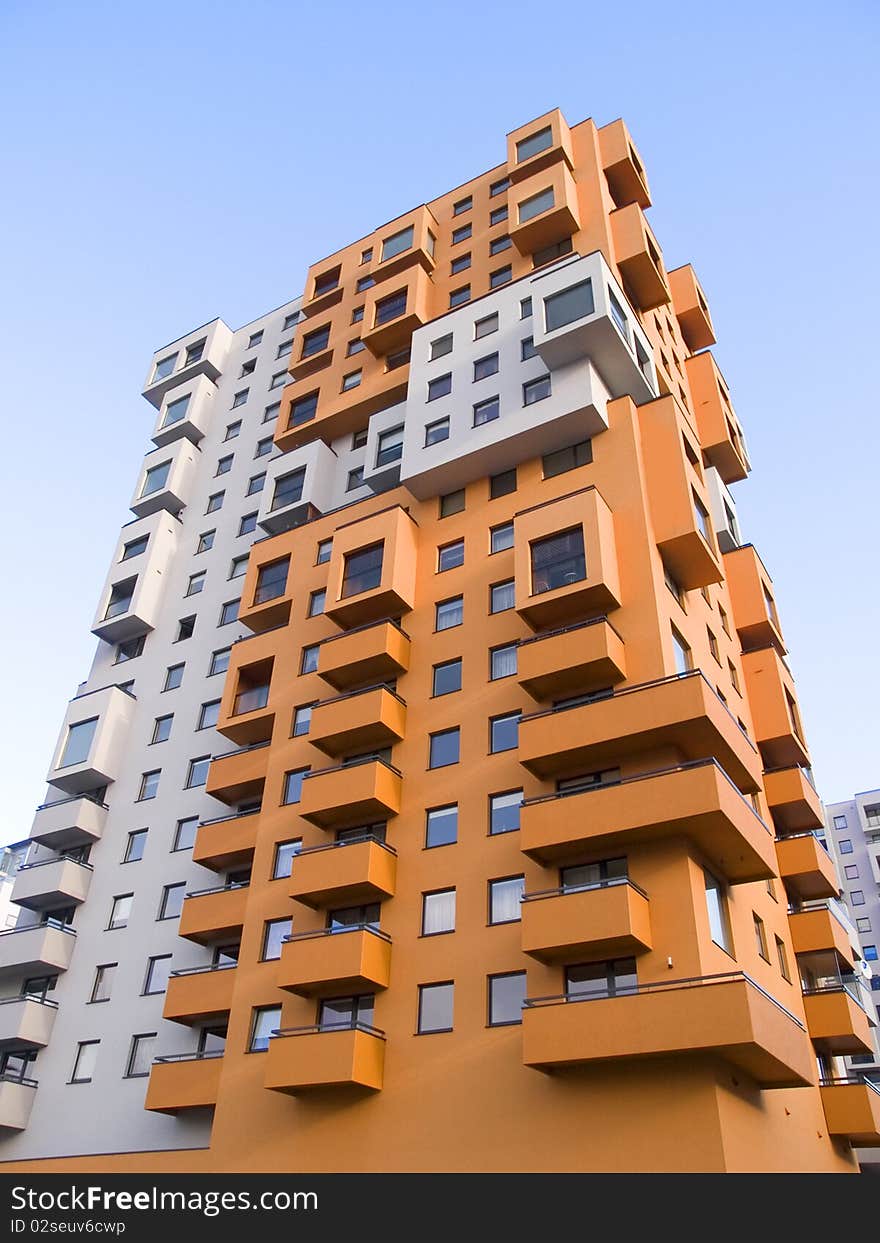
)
(517, 865)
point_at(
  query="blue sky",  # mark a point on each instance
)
(167, 163)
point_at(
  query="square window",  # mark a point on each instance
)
(501, 537)
(438, 912)
(352, 380)
(149, 786)
(449, 613)
(502, 596)
(164, 367)
(486, 411)
(196, 583)
(450, 556)
(443, 345)
(502, 484)
(135, 846)
(452, 503)
(272, 412)
(303, 410)
(240, 398)
(255, 484)
(238, 566)
(158, 970)
(536, 390)
(502, 662)
(504, 811)
(120, 910)
(441, 827)
(558, 561)
(486, 366)
(505, 899)
(435, 1008)
(441, 386)
(264, 447)
(362, 570)
(506, 994)
(437, 431)
(162, 728)
(357, 315)
(447, 677)
(504, 732)
(444, 748)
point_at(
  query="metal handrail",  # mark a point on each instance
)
(788, 837)
(199, 1055)
(236, 884)
(40, 1001)
(854, 1078)
(334, 932)
(562, 890)
(256, 633)
(73, 798)
(363, 690)
(57, 924)
(837, 986)
(251, 746)
(790, 768)
(6, 1077)
(323, 1028)
(352, 841)
(235, 815)
(365, 759)
(833, 906)
(113, 686)
(581, 625)
(41, 863)
(210, 966)
(383, 621)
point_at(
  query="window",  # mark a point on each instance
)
(501, 276)
(399, 358)
(498, 244)
(462, 205)
(316, 602)
(84, 1063)
(504, 811)
(441, 828)
(449, 556)
(302, 719)
(438, 912)
(702, 519)
(232, 430)
(435, 1008)
(164, 367)
(129, 650)
(274, 933)
(558, 561)
(498, 215)
(442, 345)
(782, 959)
(760, 937)
(534, 206)
(444, 748)
(502, 484)
(355, 479)
(303, 410)
(215, 502)
(525, 308)
(501, 537)
(185, 833)
(449, 613)
(390, 446)
(155, 479)
(173, 677)
(238, 566)
(856, 897)
(498, 187)
(194, 353)
(527, 348)
(238, 400)
(255, 484)
(869, 952)
(734, 676)
(716, 905)
(141, 1054)
(547, 254)
(505, 899)
(840, 822)
(325, 549)
(484, 328)
(504, 732)
(135, 846)
(872, 816)
(682, 652)
(224, 465)
(355, 346)
(120, 910)
(309, 660)
(486, 411)
(103, 984)
(601, 979)
(502, 596)
(391, 307)
(845, 846)
(120, 598)
(397, 243)
(272, 412)
(569, 305)
(158, 970)
(134, 548)
(502, 662)
(440, 387)
(863, 925)
(149, 787)
(352, 380)
(206, 541)
(78, 743)
(271, 580)
(452, 503)
(461, 264)
(487, 366)
(265, 1020)
(229, 612)
(851, 872)
(534, 144)
(459, 296)
(580, 454)
(196, 583)
(364, 283)
(363, 570)
(447, 677)
(285, 853)
(293, 785)
(162, 728)
(315, 342)
(209, 714)
(263, 447)
(219, 661)
(172, 900)
(435, 432)
(284, 348)
(507, 994)
(256, 337)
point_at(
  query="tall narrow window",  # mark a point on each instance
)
(716, 904)
(84, 1064)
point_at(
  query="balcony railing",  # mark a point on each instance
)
(832, 905)
(383, 621)
(361, 690)
(610, 883)
(197, 1055)
(581, 625)
(332, 932)
(201, 893)
(860, 1079)
(12, 1077)
(235, 815)
(363, 759)
(59, 924)
(851, 985)
(205, 967)
(351, 841)
(41, 863)
(73, 798)
(353, 1025)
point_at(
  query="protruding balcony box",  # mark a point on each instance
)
(639, 258)
(382, 466)
(603, 327)
(68, 822)
(264, 605)
(677, 498)
(532, 229)
(691, 309)
(425, 233)
(181, 361)
(792, 799)
(806, 868)
(574, 660)
(226, 842)
(376, 652)
(598, 922)
(199, 994)
(358, 601)
(751, 598)
(852, 1110)
(824, 927)
(623, 166)
(93, 739)
(320, 466)
(185, 411)
(211, 915)
(301, 1059)
(344, 874)
(26, 1022)
(166, 479)
(775, 713)
(335, 963)
(361, 793)
(324, 288)
(723, 511)
(682, 711)
(538, 600)
(247, 712)
(184, 1081)
(51, 883)
(239, 775)
(836, 1022)
(697, 802)
(382, 336)
(721, 436)
(554, 148)
(727, 1016)
(40, 949)
(335, 413)
(16, 1102)
(132, 594)
(358, 721)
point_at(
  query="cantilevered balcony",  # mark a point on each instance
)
(346, 873)
(26, 1022)
(725, 1016)
(806, 868)
(201, 352)
(335, 961)
(638, 257)
(775, 711)
(302, 1059)
(133, 592)
(93, 740)
(721, 437)
(697, 801)
(364, 792)
(17, 1095)
(573, 660)
(819, 927)
(376, 652)
(752, 601)
(605, 920)
(238, 776)
(184, 1081)
(51, 883)
(200, 994)
(623, 165)
(852, 1109)
(211, 915)
(791, 796)
(39, 949)
(226, 841)
(691, 308)
(837, 1017)
(77, 820)
(357, 721)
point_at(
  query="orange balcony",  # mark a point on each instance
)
(358, 721)
(335, 962)
(246, 716)
(384, 588)
(543, 209)
(424, 232)
(571, 661)
(691, 308)
(852, 1110)
(316, 407)
(539, 144)
(350, 794)
(721, 436)
(395, 308)
(210, 915)
(238, 775)
(199, 994)
(698, 802)
(676, 496)
(775, 712)
(184, 1081)
(751, 598)
(726, 1016)
(376, 652)
(344, 874)
(824, 927)
(806, 868)
(603, 921)
(792, 799)
(622, 166)
(227, 841)
(638, 257)
(682, 711)
(301, 1059)
(262, 615)
(836, 1021)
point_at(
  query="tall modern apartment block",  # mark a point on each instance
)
(438, 798)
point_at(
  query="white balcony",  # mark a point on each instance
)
(92, 740)
(383, 459)
(185, 411)
(201, 352)
(26, 1022)
(50, 883)
(165, 479)
(74, 821)
(298, 484)
(722, 507)
(132, 593)
(16, 1102)
(39, 949)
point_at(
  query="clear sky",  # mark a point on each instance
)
(166, 163)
